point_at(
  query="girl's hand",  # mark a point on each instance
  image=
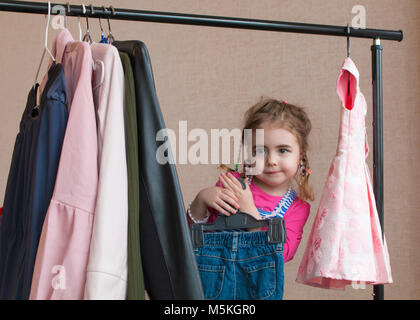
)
(246, 201)
(220, 199)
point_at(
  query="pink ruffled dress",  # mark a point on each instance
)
(345, 245)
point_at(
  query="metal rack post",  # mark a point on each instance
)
(378, 159)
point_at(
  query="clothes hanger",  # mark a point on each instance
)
(87, 36)
(110, 37)
(276, 232)
(36, 85)
(45, 43)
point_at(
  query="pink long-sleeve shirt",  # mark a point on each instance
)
(294, 219)
(63, 250)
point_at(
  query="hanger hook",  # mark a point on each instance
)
(46, 31)
(87, 36)
(110, 37)
(109, 24)
(87, 19)
(100, 26)
(45, 44)
(66, 12)
(348, 40)
(83, 9)
(103, 39)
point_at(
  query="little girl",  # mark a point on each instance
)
(282, 162)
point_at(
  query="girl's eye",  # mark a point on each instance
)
(262, 151)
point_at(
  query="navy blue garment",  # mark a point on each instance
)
(240, 266)
(31, 183)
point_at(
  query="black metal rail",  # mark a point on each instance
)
(202, 20)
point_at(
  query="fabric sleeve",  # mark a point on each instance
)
(63, 250)
(295, 220)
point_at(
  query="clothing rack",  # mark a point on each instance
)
(266, 25)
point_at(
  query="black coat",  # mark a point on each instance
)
(169, 264)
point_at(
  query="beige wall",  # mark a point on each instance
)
(209, 76)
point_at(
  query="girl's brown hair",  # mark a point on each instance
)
(284, 115)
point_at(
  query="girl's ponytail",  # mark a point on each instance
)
(302, 179)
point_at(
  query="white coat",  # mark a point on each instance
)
(107, 268)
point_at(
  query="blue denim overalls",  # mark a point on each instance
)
(242, 265)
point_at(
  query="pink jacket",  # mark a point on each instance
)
(107, 269)
(63, 251)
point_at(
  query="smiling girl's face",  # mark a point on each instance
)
(277, 160)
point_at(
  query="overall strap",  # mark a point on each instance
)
(281, 208)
